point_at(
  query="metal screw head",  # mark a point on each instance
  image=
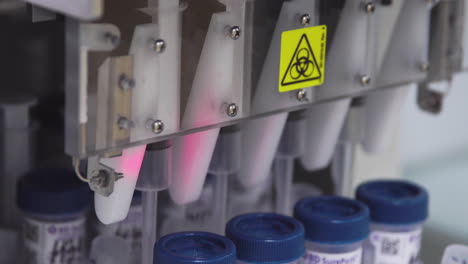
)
(232, 110)
(99, 178)
(305, 19)
(157, 126)
(126, 83)
(112, 38)
(301, 95)
(365, 80)
(425, 67)
(235, 32)
(369, 8)
(159, 46)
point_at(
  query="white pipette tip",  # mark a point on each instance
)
(114, 208)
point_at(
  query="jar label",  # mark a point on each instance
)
(54, 243)
(396, 248)
(353, 257)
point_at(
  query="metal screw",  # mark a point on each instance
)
(126, 83)
(424, 67)
(369, 8)
(232, 110)
(124, 123)
(159, 46)
(99, 178)
(305, 19)
(112, 38)
(235, 32)
(301, 95)
(365, 80)
(157, 126)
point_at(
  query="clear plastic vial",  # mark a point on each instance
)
(54, 205)
(130, 229)
(398, 210)
(194, 247)
(335, 229)
(267, 238)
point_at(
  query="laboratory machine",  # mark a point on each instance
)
(217, 131)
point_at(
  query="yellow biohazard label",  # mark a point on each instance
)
(302, 59)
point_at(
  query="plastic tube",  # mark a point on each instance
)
(150, 205)
(283, 172)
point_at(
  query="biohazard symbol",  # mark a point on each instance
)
(303, 66)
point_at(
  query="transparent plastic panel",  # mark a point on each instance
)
(148, 71)
(266, 96)
(408, 49)
(350, 60)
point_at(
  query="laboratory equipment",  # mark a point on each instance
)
(266, 238)
(53, 217)
(130, 229)
(211, 109)
(110, 250)
(335, 229)
(194, 247)
(398, 210)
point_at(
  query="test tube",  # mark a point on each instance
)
(267, 238)
(224, 163)
(335, 229)
(110, 250)
(154, 176)
(54, 205)
(194, 247)
(130, 229)
(398, 210)
(290, 147)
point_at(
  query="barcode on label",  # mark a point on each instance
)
(390, 246)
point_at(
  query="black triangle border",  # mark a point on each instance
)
(304, 36)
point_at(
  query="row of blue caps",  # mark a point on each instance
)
(273, 238)
(258, 237)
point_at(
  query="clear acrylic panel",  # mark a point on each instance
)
(152, 70)
(408, 49)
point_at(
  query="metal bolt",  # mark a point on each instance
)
(99, 178)
(235, 32)
(159, 46)
(124, 123)
(424, 67)
(369, 8)
(301, 95)
(126, 83)
(157, 126)
(112, 38)
(365, 80)
(305, 19)
(232, 110)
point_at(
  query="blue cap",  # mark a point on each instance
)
(333, 219)
(394, 201)
(194, 247)
(52, 192)
(266, 237)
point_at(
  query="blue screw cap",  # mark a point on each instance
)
(194, 247)
(52, 192)
(394, 201)
(266, 237)
(333, 219)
